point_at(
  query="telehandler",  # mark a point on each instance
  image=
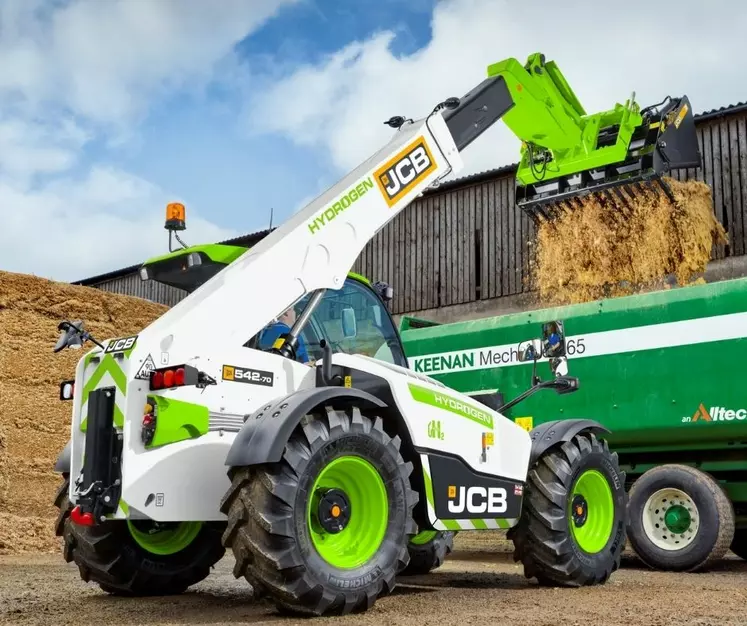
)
(191, 438)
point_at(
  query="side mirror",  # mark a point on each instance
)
(530, 350)
(70, 335)
(349, 327)
(553, 339)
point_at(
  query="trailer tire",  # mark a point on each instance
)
(428, 551)
(108, 554)
(339, 469)
(571, 532)
(689, 535)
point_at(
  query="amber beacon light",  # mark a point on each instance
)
(175, 216)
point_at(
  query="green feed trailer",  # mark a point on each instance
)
(662, 371)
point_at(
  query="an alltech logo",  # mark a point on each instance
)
(397, 176)
(716, 414)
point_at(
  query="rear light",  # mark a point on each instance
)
(177, 376)
(67, 389)
(148, 429)
(80, 518)
(168, 378)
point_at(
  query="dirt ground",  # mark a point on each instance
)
(479, 584)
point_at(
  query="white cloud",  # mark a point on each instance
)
(72, 229)
(605, 51)
(76, 70)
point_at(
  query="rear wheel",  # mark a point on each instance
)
(139, 558)
(325, 530)
(428, 551)
(680, 519)
(572, 528)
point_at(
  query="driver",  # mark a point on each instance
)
(553, 340)
(282, 325)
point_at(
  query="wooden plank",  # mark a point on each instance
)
(708, 170)
(742, 137)
(505, 242)
(491, 241)
(737, 223)
(700, 170)
(726, 183)
(415, 250)
(426, 243)
(482, 220)
(437, 252)
(453, 254)
(407, 250)
(443, 253)
(400, 260)
(473, 245)
(718, 194)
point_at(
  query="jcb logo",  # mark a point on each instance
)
(477, 499)
(120, 345)
(398, 175)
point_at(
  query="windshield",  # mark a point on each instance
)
(352, 320)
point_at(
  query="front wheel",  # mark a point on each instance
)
(571, 532)
(325, 530)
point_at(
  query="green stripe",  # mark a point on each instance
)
(451, 524)
(429, 490)
(479, 524)
(451, 404)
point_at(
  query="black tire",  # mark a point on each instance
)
(426, 557)
(543, 538)
(107, 554)
(739, 543)
(267, 527)
(714, 509)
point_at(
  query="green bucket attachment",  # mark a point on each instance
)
(567, 154)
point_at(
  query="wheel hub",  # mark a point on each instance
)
(333, 511)
(670, 519)
(580, 510)
(677, 519)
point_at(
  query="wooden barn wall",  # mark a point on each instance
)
(472, 242)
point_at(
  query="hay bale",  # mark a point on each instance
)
(601, 251)
(34, 423)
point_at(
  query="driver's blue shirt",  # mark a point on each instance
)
(268, 336)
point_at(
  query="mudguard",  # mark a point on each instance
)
(264, 434)
(63, 460)
(559, 431)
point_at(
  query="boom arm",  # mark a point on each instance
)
(318, 246)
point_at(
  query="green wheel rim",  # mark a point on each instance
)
(369, 512)
(167, 541)
(424, 537)
(595, 531)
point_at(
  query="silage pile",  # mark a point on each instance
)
(600, 251)
(34, 423)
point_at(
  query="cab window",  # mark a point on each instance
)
(354, 321)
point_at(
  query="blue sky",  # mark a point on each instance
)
(109, 109)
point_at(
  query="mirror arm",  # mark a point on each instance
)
(525, 395)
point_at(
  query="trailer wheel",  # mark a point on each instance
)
(124, 558)
(571, 532)
(680, 519)
(428, 551)
(325, 530)
(739, 543)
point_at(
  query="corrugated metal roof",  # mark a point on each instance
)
(477, 177)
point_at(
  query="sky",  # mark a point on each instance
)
(110, 109)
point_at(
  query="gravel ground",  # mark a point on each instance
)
(474, 587)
